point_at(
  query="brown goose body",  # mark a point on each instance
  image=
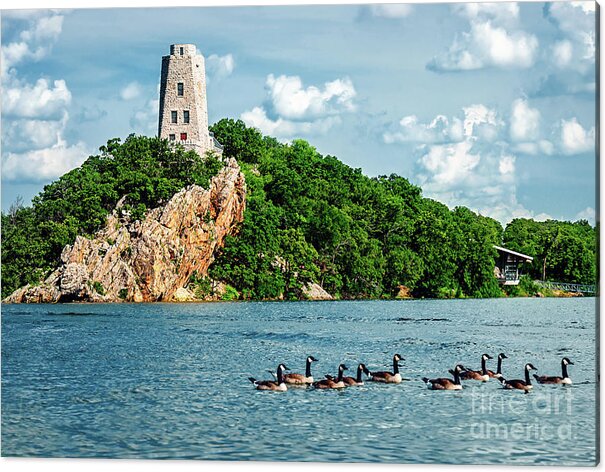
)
(388, 377)
(563, 380)
(481, 375)
(300, 379)
(518, 384)
(273, 385)
(474, 375)
(329, 382)
(545, 379)
(356, 381)
(270, 385)
(444, 383)
(498, 373)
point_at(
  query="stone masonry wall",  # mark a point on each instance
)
(188, 69)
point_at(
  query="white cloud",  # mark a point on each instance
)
(542, 146)
(439, 130)
(220, 66)
(588, 214)
(526, 137)
(22, 135)
(500, 12)
(468, 160)
(482, 179)
(482, 122)
(283, 128)
(291, 100)
(585, 6)
(575, 139)
(35, 42)
(43, 165)
(449, 165)
(486, 45)
(391, 10)
(524, 122)
(493, 40)
(519, 132)
(477, 120)
(35, 116)
(145, 119)
(569, 62)
(506, 165)
(130, 91)
(477, 172)
(576, 21)
(40, 101)
(44, 29)
(292, 110)
(572, 17)
(562, 53)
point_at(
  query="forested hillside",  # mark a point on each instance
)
(146, 171)
(363, 237)
(309, 218)
(562, 251)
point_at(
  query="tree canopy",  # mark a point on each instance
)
(356, 236)
(562, 251)
(309, 218)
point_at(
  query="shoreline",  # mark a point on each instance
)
(192, 302)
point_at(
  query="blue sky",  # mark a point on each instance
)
(491, 106)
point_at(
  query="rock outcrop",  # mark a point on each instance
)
(403, 292)
(151, 259)
(313, 291)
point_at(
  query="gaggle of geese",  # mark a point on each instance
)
(283, 379)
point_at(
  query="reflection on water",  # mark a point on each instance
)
(170, 381)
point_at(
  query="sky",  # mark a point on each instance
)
(486, 105)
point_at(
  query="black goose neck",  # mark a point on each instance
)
(359, 372)
(456, 377)
(483, 366)
(499, 371)
(527, 379)
(340, 374)
(564, 369)
(395, 366)
(308, 368)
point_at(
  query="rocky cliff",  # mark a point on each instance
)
(148, 260)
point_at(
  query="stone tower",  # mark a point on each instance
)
(183, 107)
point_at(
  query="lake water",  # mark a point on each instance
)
(170, 381)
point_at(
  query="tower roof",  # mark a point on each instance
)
(183, 50)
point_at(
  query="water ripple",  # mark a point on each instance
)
(170, 381)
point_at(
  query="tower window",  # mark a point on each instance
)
(173, 116)
(179, 89)
(183, 136)
(172, 137)
(186, 116)
(181, 51)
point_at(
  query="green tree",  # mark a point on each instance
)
(144, 172)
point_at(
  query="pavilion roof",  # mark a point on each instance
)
(514, 253)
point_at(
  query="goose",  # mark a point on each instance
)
(481, 375)
(389, 377)
(300, 379)
(444, 383)
(278, 386)
(356, 381)
(329, 382)
(564, 379)
(498, 373)
(524, 385)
